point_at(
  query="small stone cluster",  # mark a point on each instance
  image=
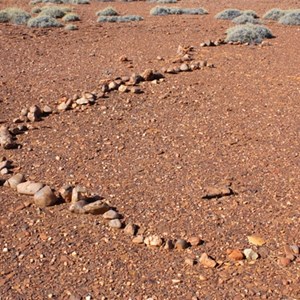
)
(210, 43)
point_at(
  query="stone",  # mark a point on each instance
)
(235, 255)
(115, 223)
(217, 192)
(135, 90)
(184, 67)
(284, 261)
(24, 112)
(207, 261)
(113, 86)
(194, 241)
(181, 244)
(189, 262)
(78, 206)
(6, 164)
(34, 114)
(44, 197)
(171, 70)
(111, 214)
(153, 240)
(123, 88)
(250, 254)
(138, 239)
(82, 101)
(6, 139)
(256, 240)
(289, 253)
(135, 79)
(169, 245)
(148, 75)
(29, 187)
(78, 193)
(96, 208)
(47, 109)
(4, 171)
(295, 249)
(66, 193)
(202, 63)
(123, 58)
(91, 97)
(15, 180)
(131, 229)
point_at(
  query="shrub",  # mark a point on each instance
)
(251, 13)
(108, 11)
(228, 14)
(54, 11)
(71, 27)
(291, 18)
(71, 17)
(248, 33)
(113, 19)
(244, 19)
(77, 2)
(163, 11)
(43, 22)
(274, 14)
(14, 15)
(34, 2)
(36, 10)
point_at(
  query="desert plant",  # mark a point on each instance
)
(54, 11)
(163, 1)
(251, 13)
(71, 17)
(113, 19)
(43, 22)
(108, 11)
(36, 10)
(77, 1)
(163, 11)
(292, 17)
(4, 18)
(274, 14)
(244, 19)
(229, 14)
(71, 27)
(14, 15)
(249, 33)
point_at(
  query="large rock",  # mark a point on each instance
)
(29, 187)
(96, 208)
(44, 197)
(15, 180)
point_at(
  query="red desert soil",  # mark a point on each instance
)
(151, 156)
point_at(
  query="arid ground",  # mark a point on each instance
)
(152, 155)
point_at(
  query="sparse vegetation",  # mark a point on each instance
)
(274, 14)
(163, 1)
(249, 33)
(77, 2)
(33, 2)
(292, 17)
(244, 19)
(43, 22)
(108, 11)
(14, 15)
(163, 11)
(251, 13)
(229, 14)
(117, 19)
(54, 11)
(71, 17)
(71, 27)
(36, 10)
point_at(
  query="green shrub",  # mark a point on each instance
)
(36, 10)
(4, 18)
(292, 17)
(113, 19)
(274, 14)
(228, 14)
(251, 13)
(54, 11)
(43, 22)
(163, 11)
(248, 33)
(244, 19)
(108, 11)
(71, 17)
(14, 15)
(71, 27)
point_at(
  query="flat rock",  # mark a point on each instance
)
(96, 208)
(138, 239)
(115, 223)
(77, 207)
(29, 187)
(110, 215)
(44, 197)
(217, 192)
(15, 180)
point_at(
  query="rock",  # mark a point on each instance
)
(153, 240)
(65, 103)
(44, 197)
(4, 171)
(66, 193)
(6, 139)
(115, 223)
(256, 240)
(181, 244)
(24, 112)
(289, 253)
(189, 262)
(295, 249)
(149, 75)
(78, 193)
(123, 88)
(202, 63)
(15, 180)
(47, 109)
(284, 261)
(131, 229)
(113, 86)
(250, 254)
(194, 241)
(29, 187)
(135, 90)
(82, 101)
(111, 214)
(138, 239)
(135, 79)
(75, 297)
(96, 208)
(184, 68)
(171, 71)
(217, 192)
(34, 114)
(6, 164)
(186, 57)
(91, 97)
(123, 58)
(169, 245)
(235, 255)
(207, 261)
(78, 206)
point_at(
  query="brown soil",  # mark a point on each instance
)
(151, 156)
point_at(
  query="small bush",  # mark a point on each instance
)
(274, 14)
(113, 19)
(14, 15)
(163, 1)
(36, 10)
(71, 17)
(244, 19)
(34, 2)
(54, 11)
(108, 11)
(43, 22)
(251, 13)
(248, 33)
(291, 18)
(163, 11)
(77, 1)
(4, 18)
(228, 14)
(71, 27)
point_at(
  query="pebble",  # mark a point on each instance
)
(206, 261)
(131, 229)
(284, 261)
(184, 67)
(6, 139)
(153, 240)
(77, 207)
(82, 101)
(15, 180)
(44, 197)
(250, 254)
(34, 113)
(66, 193)
(135, 90)
(194, 241)
(29, 187)
(181, 244)
(138, 239)
(96, 208)
(235, 255)
(115, 223)
(113, 86)
(47, 109)
(110, 215)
